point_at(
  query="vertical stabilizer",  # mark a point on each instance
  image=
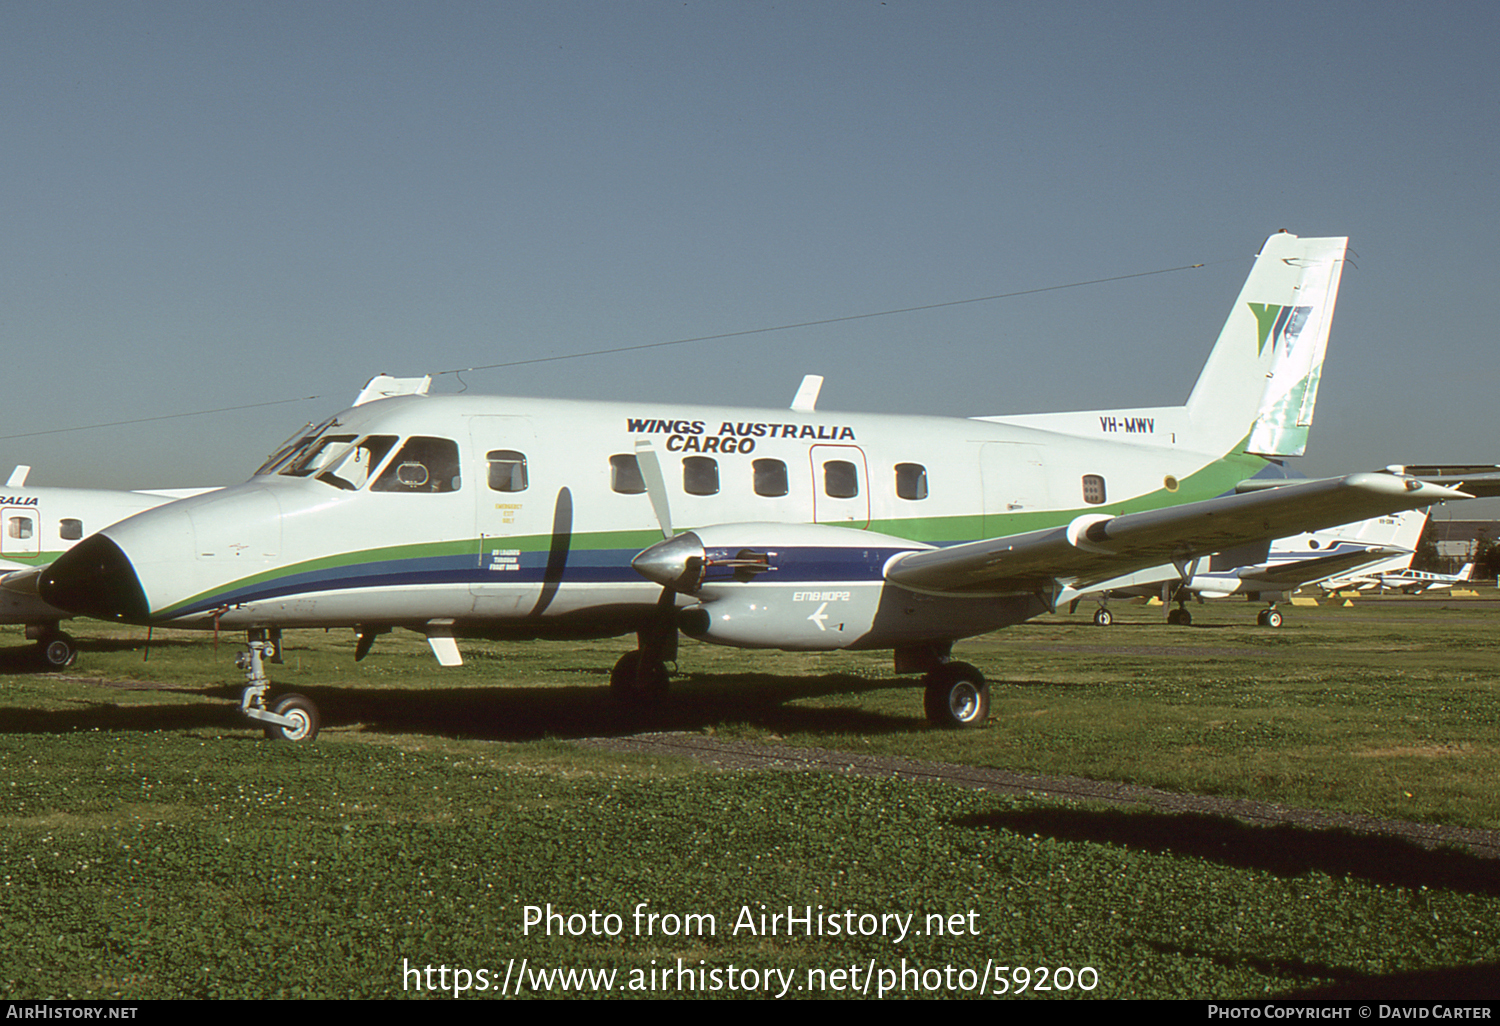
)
(1262, 376)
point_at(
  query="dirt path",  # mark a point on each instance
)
(742, 755)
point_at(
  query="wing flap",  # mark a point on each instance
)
(1096, 547)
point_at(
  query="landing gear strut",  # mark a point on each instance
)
(1179, 617)
(293, 717)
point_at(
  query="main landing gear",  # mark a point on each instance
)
(957, 696)
(1270, 617)
(293, 717)
(642, 676)
(638, 677)
(55, 650)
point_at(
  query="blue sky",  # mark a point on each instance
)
(212, 205)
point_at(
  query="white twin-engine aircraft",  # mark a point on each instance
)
(37, 525)
(483, 517)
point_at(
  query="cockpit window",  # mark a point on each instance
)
(352, 468)
(318, 456)
(294, 446)
(422, 465)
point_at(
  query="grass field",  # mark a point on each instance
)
(152, 845)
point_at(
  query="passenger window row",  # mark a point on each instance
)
(700, 476)
(22, 528)
(769, 477)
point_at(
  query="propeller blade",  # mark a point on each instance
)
(656, 485)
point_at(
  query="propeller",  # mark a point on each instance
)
(675, 562)
(656, 485)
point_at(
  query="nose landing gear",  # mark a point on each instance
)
(293, 717)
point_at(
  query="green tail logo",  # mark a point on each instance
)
(1276, 322)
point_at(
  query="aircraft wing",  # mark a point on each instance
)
(1097, 547)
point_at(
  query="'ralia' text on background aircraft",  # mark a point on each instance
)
(485, 517)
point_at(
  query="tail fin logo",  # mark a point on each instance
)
(1275, 323)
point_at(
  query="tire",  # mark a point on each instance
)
(57, 651)
(298, 708)
(957, 697)
(634, 681)
(1273, 618)
(1103, 617)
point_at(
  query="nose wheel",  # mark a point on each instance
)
(293, 717)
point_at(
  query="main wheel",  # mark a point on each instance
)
(635, 679)
(1273, 618)
(300, 709)
(58, 651)
(957, 697)
(1102, 617)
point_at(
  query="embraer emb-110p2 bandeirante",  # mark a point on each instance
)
(481, 517)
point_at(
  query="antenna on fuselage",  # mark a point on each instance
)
(806, 399)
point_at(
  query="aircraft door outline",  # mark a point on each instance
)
(20, 532)
(840, 485)
(506, 498)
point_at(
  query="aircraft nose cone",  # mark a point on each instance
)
(676, 563)
(94, 578)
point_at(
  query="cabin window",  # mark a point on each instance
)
(422, 465)
(840, 479)
(625, 474)
(770, 478)
(1093, 489)
(70, 529)
(507, 470)
(700, 475)
(911, 481)
(20, 527)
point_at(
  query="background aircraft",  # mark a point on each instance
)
(471, 516)
(1289, 563)
(1414, 582)
(39, 524)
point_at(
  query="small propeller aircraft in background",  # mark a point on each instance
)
(1415, 582)
(483, 517)
(39, 524)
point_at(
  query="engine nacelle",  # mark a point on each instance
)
(810, 587)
